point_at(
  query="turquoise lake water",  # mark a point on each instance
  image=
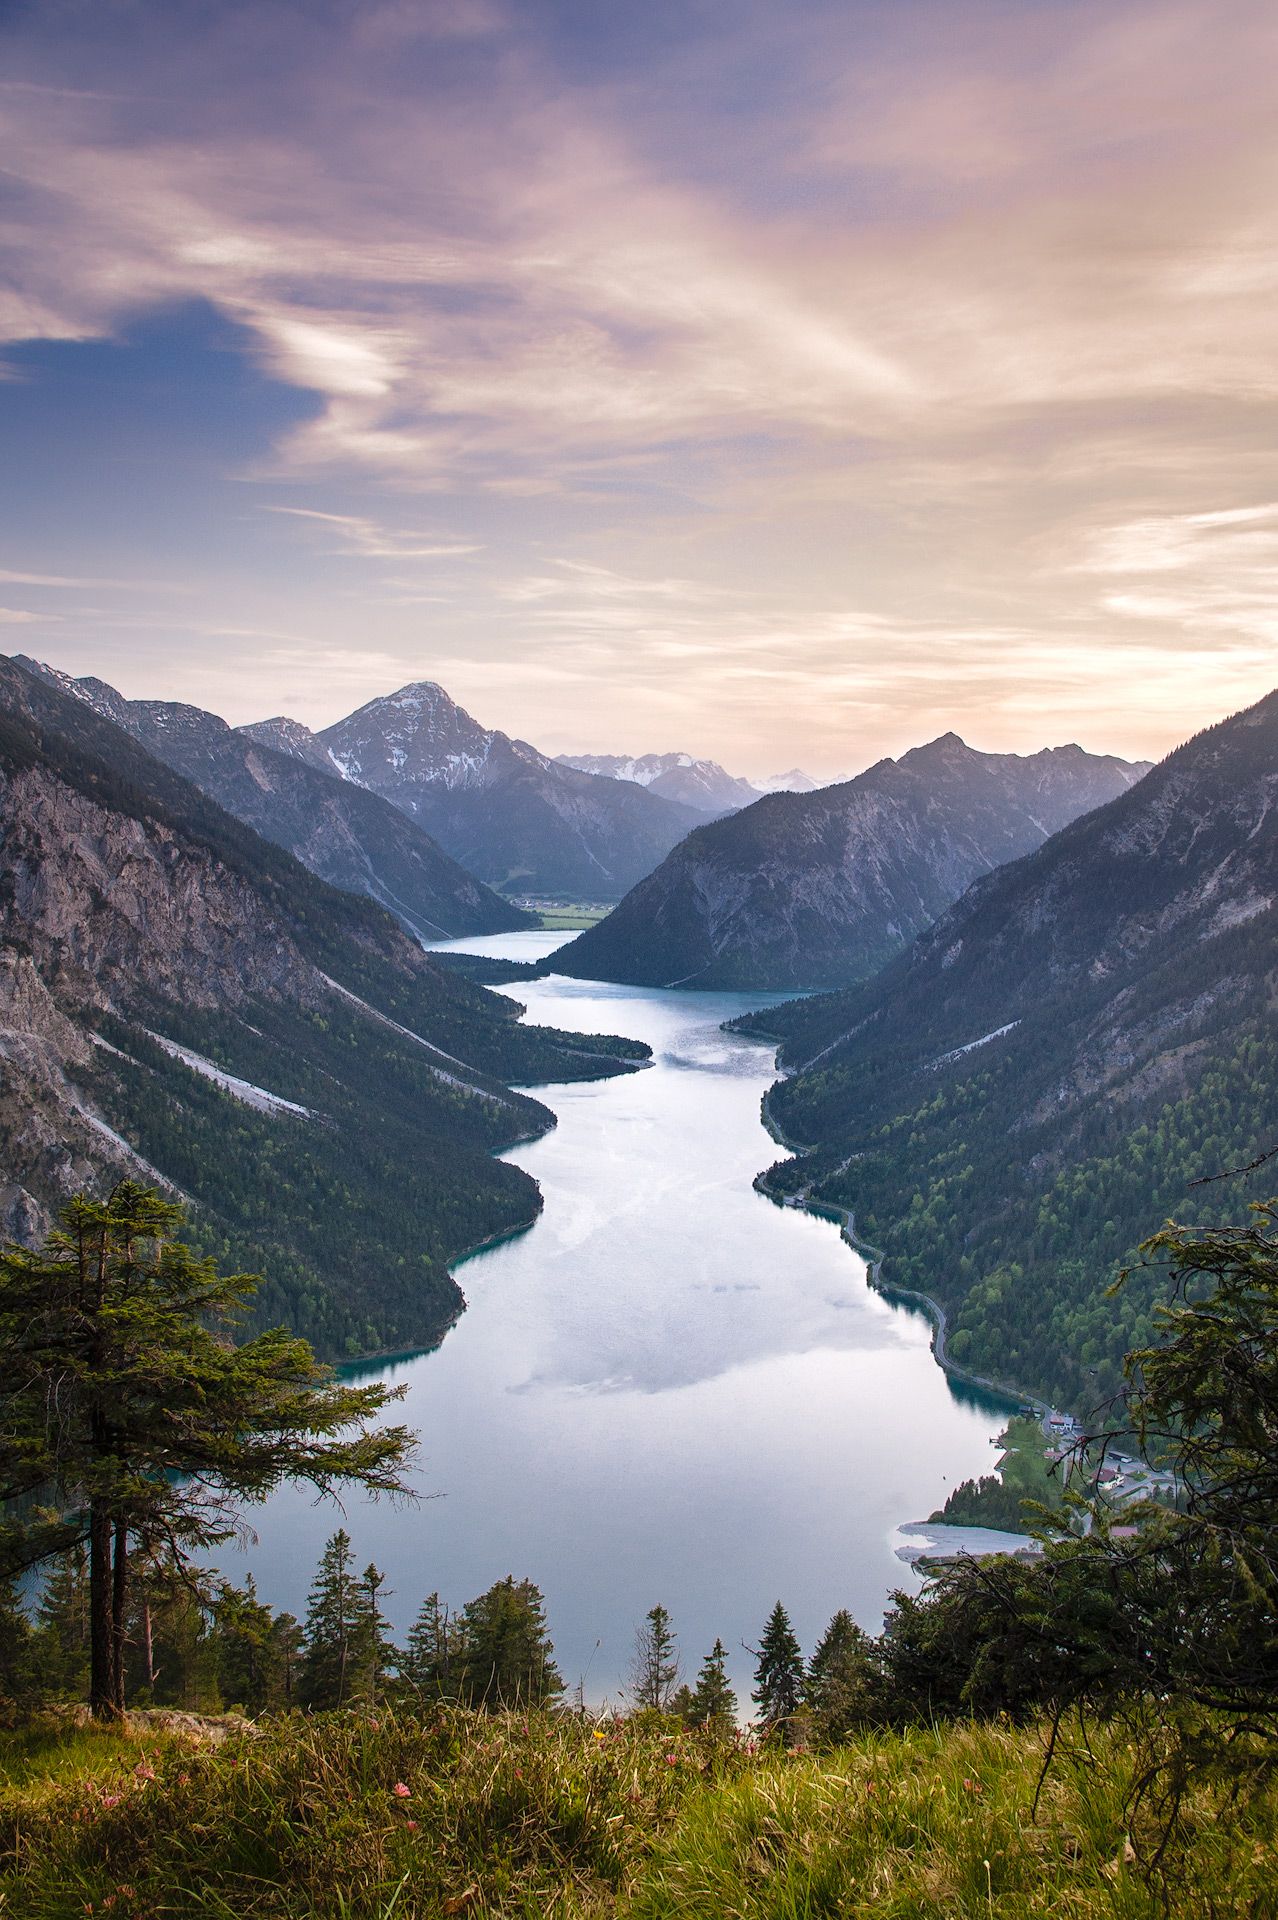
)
(669, 1389)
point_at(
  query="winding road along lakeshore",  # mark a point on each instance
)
(668, 1389)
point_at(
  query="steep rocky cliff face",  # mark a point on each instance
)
(183, 1002)
(507, 812)
(297, 797)
(811, 890)
(1014, 1104)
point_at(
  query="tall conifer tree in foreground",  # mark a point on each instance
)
(137, 1425)
(344, 1653)
(713, 1703)
(429, 1665)
(506, 1656)
(840, 1678)
(654, 1671)
(778, 1677)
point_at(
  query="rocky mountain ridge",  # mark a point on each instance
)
(812, 890)
(1011, 1106)
(299, 800)
(510, 814)
(181, 1001)
(701, 784)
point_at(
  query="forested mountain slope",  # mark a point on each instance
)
(340, 831)
(180, 999)
(1015, 1103)
(811, 890)
(507, 812)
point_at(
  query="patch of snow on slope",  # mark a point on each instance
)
(956, 1053)
(118, 1140)
(256, 1097)
(450, 1079)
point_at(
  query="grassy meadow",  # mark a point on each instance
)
(369, 1817)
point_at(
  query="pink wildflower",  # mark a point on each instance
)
(109, 1800)
(400, 1791)
(411, 1825)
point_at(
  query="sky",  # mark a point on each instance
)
(787, 383)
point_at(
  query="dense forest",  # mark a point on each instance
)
(1024, 1254)
(1012, 1107)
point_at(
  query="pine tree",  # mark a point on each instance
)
(713, 1702)
(378, 1655)
(340, 1652)
(654, 1671)
(254, 1649)
(507, 1659)
(148, 1426)
(840, 1678)
(429, 1667)
(778, 1677)
(682, 1704)
(170, 1657)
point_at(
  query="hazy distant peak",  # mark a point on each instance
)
(701, 784)
(796, 781)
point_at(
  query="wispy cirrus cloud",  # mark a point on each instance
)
(365, 539)
(939, 338)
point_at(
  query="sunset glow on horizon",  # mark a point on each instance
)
(784, 385)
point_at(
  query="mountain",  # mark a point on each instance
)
(820, 889)
(183, 1002)
(1015, 1103)
(796, 781)
(508, 813)
(701, 784)
(300, 801)
(292, 738)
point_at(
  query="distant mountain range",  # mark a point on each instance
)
(820, 889)
(301, 801)
(796, 781)
(701, 784)
(522, 822)
(182, 1002)
(1017, 1101)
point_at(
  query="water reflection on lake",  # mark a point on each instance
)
(669, 1389)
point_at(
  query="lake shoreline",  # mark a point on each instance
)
(874, 1257)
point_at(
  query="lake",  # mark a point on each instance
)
(669, 1389)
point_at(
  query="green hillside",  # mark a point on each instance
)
(1015, 1104)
